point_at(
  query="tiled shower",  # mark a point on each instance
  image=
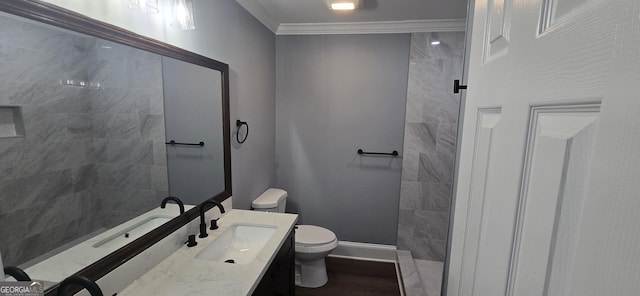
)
(90, 149)
(436, 59)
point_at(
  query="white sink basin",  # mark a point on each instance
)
(131, 233)
(240, 243)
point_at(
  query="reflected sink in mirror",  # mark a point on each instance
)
(66, 261)
(240, 243)
(130, 234)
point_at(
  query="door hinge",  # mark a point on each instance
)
(457, 87)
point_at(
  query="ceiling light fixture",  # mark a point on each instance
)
(183, 15)
(143, 6)
(435, 42)
(343, 4)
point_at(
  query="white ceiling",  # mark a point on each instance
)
(374, 16)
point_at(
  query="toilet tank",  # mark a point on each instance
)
(272, 200)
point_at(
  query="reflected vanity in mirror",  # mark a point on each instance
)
(93, 125)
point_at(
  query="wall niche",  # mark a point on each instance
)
(11, 122)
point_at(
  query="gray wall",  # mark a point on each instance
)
(335, 94)
(228, 33)
(193, 113)
(429, 143)
(232, 35)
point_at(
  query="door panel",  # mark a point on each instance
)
(499, 16)
(550, 207)
(487, 121)
(547, 197)
(556, 12)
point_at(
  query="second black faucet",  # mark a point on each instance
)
(203, 224)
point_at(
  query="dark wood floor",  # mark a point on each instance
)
(356, 278)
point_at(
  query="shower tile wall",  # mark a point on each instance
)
(128, 131)
(429, 143)
(63, 179)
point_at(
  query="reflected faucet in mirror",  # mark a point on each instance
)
(176, 200)
(82, 281)
(16, 273)
(203, 224)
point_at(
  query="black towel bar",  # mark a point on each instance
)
(394, 153)
(172, 142)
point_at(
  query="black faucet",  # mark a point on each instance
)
(16, 273)
(86, 283)
(177, 200)
(203, 225)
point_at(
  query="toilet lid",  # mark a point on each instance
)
(313, 235)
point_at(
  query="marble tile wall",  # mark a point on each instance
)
(429, 143)
(431, 274)
(128, 131)
(89, 156)
(411, 280)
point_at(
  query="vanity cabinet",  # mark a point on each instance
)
(279, 280)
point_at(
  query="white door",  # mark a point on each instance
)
(548, 196)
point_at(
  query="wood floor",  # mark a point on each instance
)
(356, 278)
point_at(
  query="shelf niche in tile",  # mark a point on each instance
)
(11, 122)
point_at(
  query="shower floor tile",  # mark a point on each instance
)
(431, 275)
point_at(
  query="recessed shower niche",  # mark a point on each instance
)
(11, 122)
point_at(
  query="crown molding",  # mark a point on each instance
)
(255, 9)
(447, 25)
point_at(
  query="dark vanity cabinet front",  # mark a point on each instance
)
(279, 280)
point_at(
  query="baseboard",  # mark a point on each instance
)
(363, 251)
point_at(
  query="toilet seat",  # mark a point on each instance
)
(314, 239)
(311, 235)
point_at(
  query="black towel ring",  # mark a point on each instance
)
(239, 124)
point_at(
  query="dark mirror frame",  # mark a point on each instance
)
(54, 15)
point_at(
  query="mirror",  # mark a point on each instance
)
(194, 173)
(94, 134)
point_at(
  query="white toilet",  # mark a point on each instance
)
(313, 243)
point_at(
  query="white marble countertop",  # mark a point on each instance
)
(56, 268)
(183, 274)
